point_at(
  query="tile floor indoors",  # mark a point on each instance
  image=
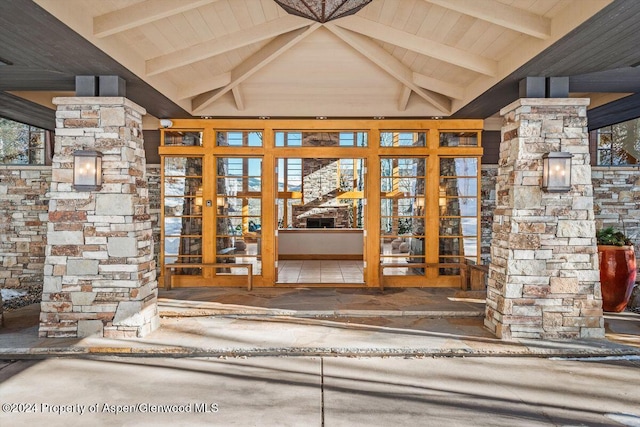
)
(320, 271)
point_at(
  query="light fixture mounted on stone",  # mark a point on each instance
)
(87, 170)
(556, 172)
(322, 10)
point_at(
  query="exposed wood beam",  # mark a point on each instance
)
(204, 86)
(211, 48)
(438, 86)
(237, 96)
(376, 54)
(17, 77)
(253, 64)
(623, 80)
(442, 52)
(403, 100)
(501, 14)
(140, 14)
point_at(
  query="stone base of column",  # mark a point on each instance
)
(99, 274)
(544, 280)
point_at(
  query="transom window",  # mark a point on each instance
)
(403, 139)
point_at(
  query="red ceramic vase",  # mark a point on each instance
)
(617, 276)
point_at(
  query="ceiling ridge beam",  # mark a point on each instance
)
(439, 86)
(376, 54)
(142, 13)
(218, 46)
(430, 48)
(501, 14)
(253, 64)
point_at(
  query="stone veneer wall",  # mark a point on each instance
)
(543, 276)
(153, 185)
(100, 272)
(24, 213)
(24, 210)
(488, 176)
(616, 192)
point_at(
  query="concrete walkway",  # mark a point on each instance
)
(316, 322)
(319, 391)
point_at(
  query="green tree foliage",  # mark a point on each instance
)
(14, 141)
(20, 143)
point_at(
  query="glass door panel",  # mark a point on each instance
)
(402, 215)
(458, 231)
(238, 214)
(320, 218)
(182, 200)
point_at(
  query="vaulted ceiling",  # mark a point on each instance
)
(248, 58)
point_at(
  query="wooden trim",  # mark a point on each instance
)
(427, 266)
(372, 155)
(168, 271)
(310, 257)
(320, 230)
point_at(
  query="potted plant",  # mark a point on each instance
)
(617, 268)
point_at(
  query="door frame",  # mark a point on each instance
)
(372, 154)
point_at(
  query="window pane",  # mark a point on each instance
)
(180, 186)
(183, 166)
(402, 215)
(619, 144)
(238, 174)
(403, 139)
(183, 137)
(353, 139)
(21, 144)
(288, 139)
(458, 201)
(239, 139)
(458, 139)
(459, 227)
(320, 139)
(459, 166)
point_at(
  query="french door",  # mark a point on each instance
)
(231, 189)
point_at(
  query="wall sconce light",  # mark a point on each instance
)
(556, 172)
(87, 170)
(220, 201)
(198, 199)
(442, 197)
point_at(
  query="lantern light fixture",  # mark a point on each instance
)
(322, 10)
(87, 170)
(198, 198)
(556, 172)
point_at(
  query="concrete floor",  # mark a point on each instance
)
(320, 391)
(409, 357)
(316, 321)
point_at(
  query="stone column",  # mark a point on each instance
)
(99, 276)
(543, 278)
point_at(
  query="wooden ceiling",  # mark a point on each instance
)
(393, 58)
(248, 58)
